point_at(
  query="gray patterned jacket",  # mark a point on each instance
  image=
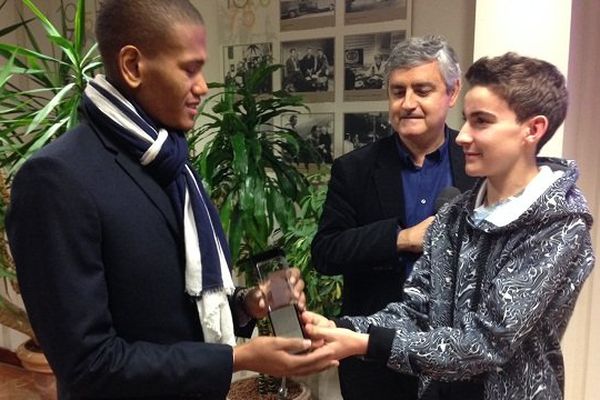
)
(515, 288)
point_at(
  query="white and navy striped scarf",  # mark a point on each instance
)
(163, 154)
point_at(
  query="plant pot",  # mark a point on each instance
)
(247, 389)
(32, 358)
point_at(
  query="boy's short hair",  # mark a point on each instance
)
(529, 86)
(141, 23)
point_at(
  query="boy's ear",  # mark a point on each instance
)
(536, 128)
(129, 66)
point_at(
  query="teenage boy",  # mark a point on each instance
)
(488, 302)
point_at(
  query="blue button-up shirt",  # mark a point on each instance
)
(421, 186)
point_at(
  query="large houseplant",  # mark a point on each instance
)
(248, 161)
(39, 95)
(323, 293)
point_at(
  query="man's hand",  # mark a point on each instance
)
(411, 239)
(278, 356)
(312, 318)
(342, 342)
(255, 302)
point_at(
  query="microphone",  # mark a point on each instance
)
(446, 196)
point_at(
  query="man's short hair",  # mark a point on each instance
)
(416, 51)
(529, 86)
(141, 23)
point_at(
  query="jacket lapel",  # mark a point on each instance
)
(155, 193)
(388, 179)
(148, 185)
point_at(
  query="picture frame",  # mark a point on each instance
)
(309, 69)
(318, 129)
(363, 128)
(364, 61)
(373, 11)
(306, 14)
(239, 60)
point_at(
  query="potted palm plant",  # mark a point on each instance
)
(39, 96)
(248, 161)
(323, 293)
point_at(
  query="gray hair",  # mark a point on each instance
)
(416, 51)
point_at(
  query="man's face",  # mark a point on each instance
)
(493, 142)
(172, 81)
(419, 102)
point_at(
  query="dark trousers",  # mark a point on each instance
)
(460, 390)
(364, 380)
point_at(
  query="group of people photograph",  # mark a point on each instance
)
(462, 250)
(308, 69)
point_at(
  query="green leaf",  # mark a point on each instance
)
(11, 28)
(68, 50)
(240, 154)
(50, 29)
(8, 70)
(6, 49)
(79, 31)
(43, 113)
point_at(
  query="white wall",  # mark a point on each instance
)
(537, 28)
(581, 344)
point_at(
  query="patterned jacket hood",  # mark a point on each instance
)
(563, 196)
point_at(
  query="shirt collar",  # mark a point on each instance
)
(435, 156)
(508, 210)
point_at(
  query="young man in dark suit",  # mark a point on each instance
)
(121, 258)
(382, 197)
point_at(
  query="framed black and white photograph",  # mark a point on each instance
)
(317, 129)
(309, 69)
(306, 14)
(240, 60)
(364, 59)
(367, 11)
(360, 129)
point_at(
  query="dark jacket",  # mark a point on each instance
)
(358, 227)
(100, 262)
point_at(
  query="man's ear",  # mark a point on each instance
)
(536, 128)
(129, 66)
(454, 94)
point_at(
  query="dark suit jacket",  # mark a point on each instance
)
(100, 263)
(358, 228)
